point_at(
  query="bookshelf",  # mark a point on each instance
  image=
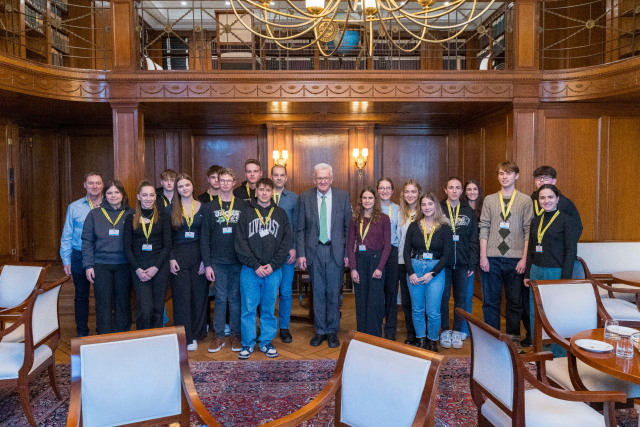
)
(629, 26)
(492, 44)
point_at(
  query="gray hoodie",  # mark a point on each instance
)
(98, 245)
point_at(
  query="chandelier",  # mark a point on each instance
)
(325, 22)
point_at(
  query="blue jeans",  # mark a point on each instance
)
(542, 273)
(469, 304)
(502, 272)
(284, 305)
(426, 298)
(258, 291)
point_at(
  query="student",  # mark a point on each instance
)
(164, 194)
(188, 285)
(428, 249)
(464, 225)
(369, 244)
(104, 261)
(288, 201)
(390, 273)
(214, 185)
(406, 214)
(262, 243)
(504, 236)
(221, 261)
(147, 245)
(253, 172)
(71, 248)
(552, 243)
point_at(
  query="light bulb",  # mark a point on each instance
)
(276, 155)
(285, 154)
(356, 153)
(365, 152)
(315, 7)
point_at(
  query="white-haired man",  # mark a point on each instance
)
(323, 220)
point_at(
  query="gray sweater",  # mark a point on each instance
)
(98, 247)
(501, 242)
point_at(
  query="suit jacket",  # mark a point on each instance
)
(308, 227)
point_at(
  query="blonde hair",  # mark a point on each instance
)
(438, 216)
(405, 209)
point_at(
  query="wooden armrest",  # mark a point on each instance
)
(575, 396)
(617, 290)
(537, 357)
(312, 408)
(17, 322)
(50, 286)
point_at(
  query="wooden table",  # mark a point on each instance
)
(627, 277)
(625, 369)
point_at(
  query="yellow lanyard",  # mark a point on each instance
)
(541, 231)
(144, 226)
(264, 222)
(248, 190)
(276, 197)
(91, 204)
(538, 212)
(365, 231)
(193, 210)
(427, 238)
(210, 197)
(506, 213)
(112, 223)
(226, 216)
(164, 199)
(454, 221)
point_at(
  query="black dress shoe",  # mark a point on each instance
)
(391, 337)
(410, 340)
(526, 342)
(422, 343)
(432, 345)
(285, 336)
(333, 341)
(317, 340)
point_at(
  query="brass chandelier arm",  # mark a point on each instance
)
(430, 40)
(447, 27)
(292, 26)
(389, 38)
(304, 14)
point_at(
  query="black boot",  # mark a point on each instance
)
(431, 345)
(411, 340)
(421, 342)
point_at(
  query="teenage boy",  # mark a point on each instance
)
(504, 236)
(288, 201)
(214, 186)
(464, 225)
(71, 245)
(164, 194)
(220, 260)
(253, 172)
(262, 243)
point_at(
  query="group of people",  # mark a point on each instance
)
(247, 240)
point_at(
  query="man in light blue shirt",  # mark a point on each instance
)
(288, 201)
(71, 245)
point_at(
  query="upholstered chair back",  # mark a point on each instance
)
(44, 319)
(129, 381)
(569, 307)
(380, 387)
(492, 365)
(16, 284)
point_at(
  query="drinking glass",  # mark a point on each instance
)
(624, 349)
(611, 328)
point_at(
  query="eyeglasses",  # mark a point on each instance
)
(385, 188)
(323, 179)
(225, 181)
(542, 178)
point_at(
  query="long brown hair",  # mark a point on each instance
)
(358, 213)
(120, 187)
(405, 209)
(176, 215)
(480, 198)
(438, 216)
(138, 214)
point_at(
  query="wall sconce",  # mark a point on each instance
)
(281, 160)
(360, 160)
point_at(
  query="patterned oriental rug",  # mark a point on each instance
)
(252, 393)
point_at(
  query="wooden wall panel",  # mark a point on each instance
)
(472, 156)
(10, 212)
(495, 152)
(89, 153)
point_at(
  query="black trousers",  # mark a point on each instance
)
(369, 294)
(112, 291)
(190, 292)
(406, 301)
(458, 279)
(390, 278)
(150, 297)
(81, 297)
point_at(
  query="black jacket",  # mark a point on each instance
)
(254, 250)
(241, 192)
(566, 206)
(98, 246)
(159, 239)
(161, 201)
(441, 247)
(559, 244)
(467, 248)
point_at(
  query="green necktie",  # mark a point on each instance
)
(324, 237)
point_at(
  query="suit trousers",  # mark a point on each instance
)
(150, 298)
(81, 297)
(112, 291)
(326, 278)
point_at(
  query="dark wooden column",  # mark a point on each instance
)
(526, 35)
(124, 52)
(128, 145)
(525, 134)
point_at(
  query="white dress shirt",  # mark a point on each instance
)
(327, 200)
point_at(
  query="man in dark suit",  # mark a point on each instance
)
(323, 220)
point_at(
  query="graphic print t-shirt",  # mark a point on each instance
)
(223, 244)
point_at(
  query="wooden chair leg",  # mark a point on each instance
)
(54, 381)
(23, 390)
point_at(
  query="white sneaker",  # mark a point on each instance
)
(445, 339)
(193, 346)
(456, 340)
(463, 335)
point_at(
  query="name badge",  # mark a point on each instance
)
(427, 255)
(147, 247)
(456, 237)
(189, 234)
(362, 248)
(114, 232)
(227, 230)
(504, 225)
(264, 233)
(539, 248)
